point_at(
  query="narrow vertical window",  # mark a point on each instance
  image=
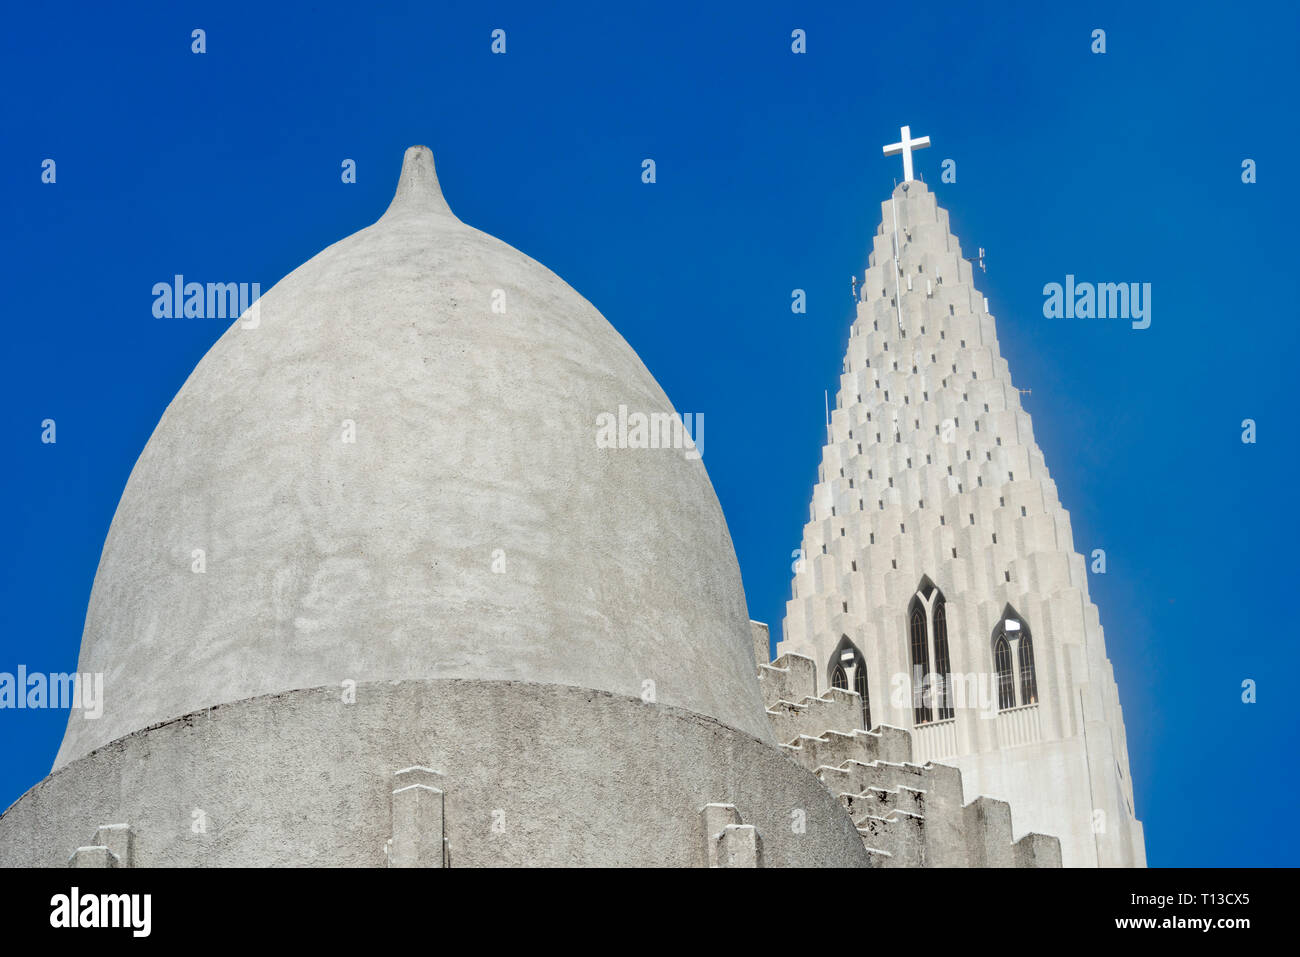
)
(921, 711)
(1028, 681)
(860, 686)
(1006, 684)
(838, 680)
(941, 662)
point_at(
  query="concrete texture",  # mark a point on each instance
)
(762, 642)
(907, 814)
(932, 471)
(475, 444)
(513, 773)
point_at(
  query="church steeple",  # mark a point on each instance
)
(931, 476)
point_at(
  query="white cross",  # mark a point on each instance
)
(905, 146)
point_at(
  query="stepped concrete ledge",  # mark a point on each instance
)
(815, 715)
(915, 810)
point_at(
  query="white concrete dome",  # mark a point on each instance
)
(473, 529)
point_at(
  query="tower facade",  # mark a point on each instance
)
(938, 570)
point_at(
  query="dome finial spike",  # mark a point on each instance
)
(417, 188)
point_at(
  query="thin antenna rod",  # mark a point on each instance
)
(827, 396)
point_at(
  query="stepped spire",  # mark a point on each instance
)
(937, 544)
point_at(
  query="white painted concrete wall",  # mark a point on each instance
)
(329, 561)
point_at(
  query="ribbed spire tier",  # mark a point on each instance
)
(934, 517)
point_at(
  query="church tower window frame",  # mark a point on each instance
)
(1018, 683)
(847, 670)
(1028, 678)
(1003, 671)
(919, 657)
(942, 657)
(839, 679)
(929, 654)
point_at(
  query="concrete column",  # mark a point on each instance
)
(93, 857)
(418, 828)
(988, 833)
(728, 842)
(111, 848)
(117, 838)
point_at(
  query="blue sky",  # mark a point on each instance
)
(1117, 167)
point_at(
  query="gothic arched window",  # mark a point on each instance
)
(1006, 683)
(921, 710)
(942, 665)
(848, 671)
(1028, 681)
